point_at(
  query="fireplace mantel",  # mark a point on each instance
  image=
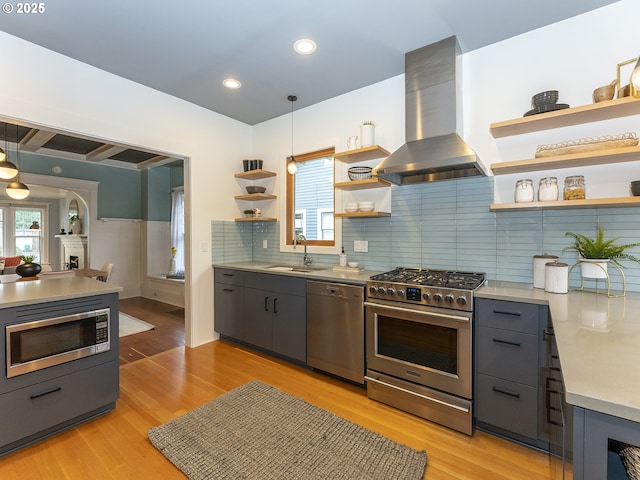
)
(75, 245)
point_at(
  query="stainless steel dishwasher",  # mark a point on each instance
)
(335, 329)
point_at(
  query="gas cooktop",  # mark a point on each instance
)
(432, 278)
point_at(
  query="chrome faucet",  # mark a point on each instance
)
(306, 260)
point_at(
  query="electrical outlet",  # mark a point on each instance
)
(360, 246)
(203, 247)
(264, 243)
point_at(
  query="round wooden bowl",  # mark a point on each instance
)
(604, 93)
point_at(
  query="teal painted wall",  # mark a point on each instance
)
(122, 192)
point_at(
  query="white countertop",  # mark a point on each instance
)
(598, 342)
(39, 291)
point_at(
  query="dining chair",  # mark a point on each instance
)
(107, 267)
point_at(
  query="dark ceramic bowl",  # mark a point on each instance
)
(635, 188)
(256, 189)
(544, 98)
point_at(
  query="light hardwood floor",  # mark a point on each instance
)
(157, 388)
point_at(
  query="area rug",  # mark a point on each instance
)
(258, 432)
(129, 325)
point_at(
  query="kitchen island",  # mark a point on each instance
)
(598, 340)
(60, 342)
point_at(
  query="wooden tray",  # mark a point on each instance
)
(587, 147)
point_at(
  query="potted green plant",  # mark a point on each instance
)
(75, 223)
(595, 253)
(248, 213)
(28, 268)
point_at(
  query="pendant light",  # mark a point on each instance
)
(7, 169)
(17, 189)
(292, 165)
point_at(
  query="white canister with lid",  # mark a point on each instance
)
(556, 277)
(548, 189)
(539, 261)
(524, 191)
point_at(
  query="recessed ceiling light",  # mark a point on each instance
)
(231, 83)
(304, 46)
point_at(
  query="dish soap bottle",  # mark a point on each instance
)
(343, 258)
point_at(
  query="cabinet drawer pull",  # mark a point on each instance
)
(227, 289)
(502, 312)
(266, 304)
(38, 395)
(275, 305)
(506, 392)
(507, 342)
(227, 274)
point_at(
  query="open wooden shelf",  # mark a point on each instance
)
(362, 214)
(255, 174)
(361, 154)
(254, 197)
(600, 157)
(373, 182)
(607, 110)
(619, 202)
(256, 219)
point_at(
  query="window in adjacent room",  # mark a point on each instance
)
(177, 227)
(310, 199)
(23, 232)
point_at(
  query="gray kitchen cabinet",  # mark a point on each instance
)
(263, 310)
(228, 293)
(45, 401)
(508, 369)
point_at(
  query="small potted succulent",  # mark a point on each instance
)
(248, 213)
(28, 268)
(595, 253)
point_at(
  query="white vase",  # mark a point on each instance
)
(367, 135)
(172, 265)
(594, 268)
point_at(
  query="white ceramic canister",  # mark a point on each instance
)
(524, 191)
(539, 261)
(556, 277)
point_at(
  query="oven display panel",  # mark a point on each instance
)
(413, 293)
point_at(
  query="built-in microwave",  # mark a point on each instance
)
(39, 344)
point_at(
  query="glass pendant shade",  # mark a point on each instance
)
(3, 155)
(635, 75)
(292, 166)
(17, 190)
(7, 169)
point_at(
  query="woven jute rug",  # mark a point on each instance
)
(258, 432)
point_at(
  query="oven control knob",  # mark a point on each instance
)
(461, 301)
(373, 289)
(449, 299)
(391, 291)
(426, 295)
(382, 290)
(401, 293)
(437, 297)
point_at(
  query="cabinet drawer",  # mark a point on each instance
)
(42, 407)
(517, 316)
(509, 355)
(228, 276)
(507, 405)
(277, 283)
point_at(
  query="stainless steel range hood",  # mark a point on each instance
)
(434, 151)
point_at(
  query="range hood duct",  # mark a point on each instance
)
(434, 151)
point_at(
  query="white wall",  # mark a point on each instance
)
(51, 90)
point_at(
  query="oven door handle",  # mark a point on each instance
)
(425, 397)
(418, 312)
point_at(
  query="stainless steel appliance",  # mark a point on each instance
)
(419, 343)
(335, 329)
(39, 344)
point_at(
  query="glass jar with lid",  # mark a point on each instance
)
(574, 187)
(548, 189)
(524, 190)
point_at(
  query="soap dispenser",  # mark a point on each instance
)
(343, 258)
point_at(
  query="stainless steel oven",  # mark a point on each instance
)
(419, 343)
(39, 344)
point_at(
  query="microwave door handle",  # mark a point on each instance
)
(417, 312)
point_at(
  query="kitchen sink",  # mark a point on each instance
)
(294, 268)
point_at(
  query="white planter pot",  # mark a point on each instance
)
(367, 135)
(594, 268)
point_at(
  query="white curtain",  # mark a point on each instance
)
(177, 227)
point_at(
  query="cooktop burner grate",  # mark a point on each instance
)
(432, 278)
